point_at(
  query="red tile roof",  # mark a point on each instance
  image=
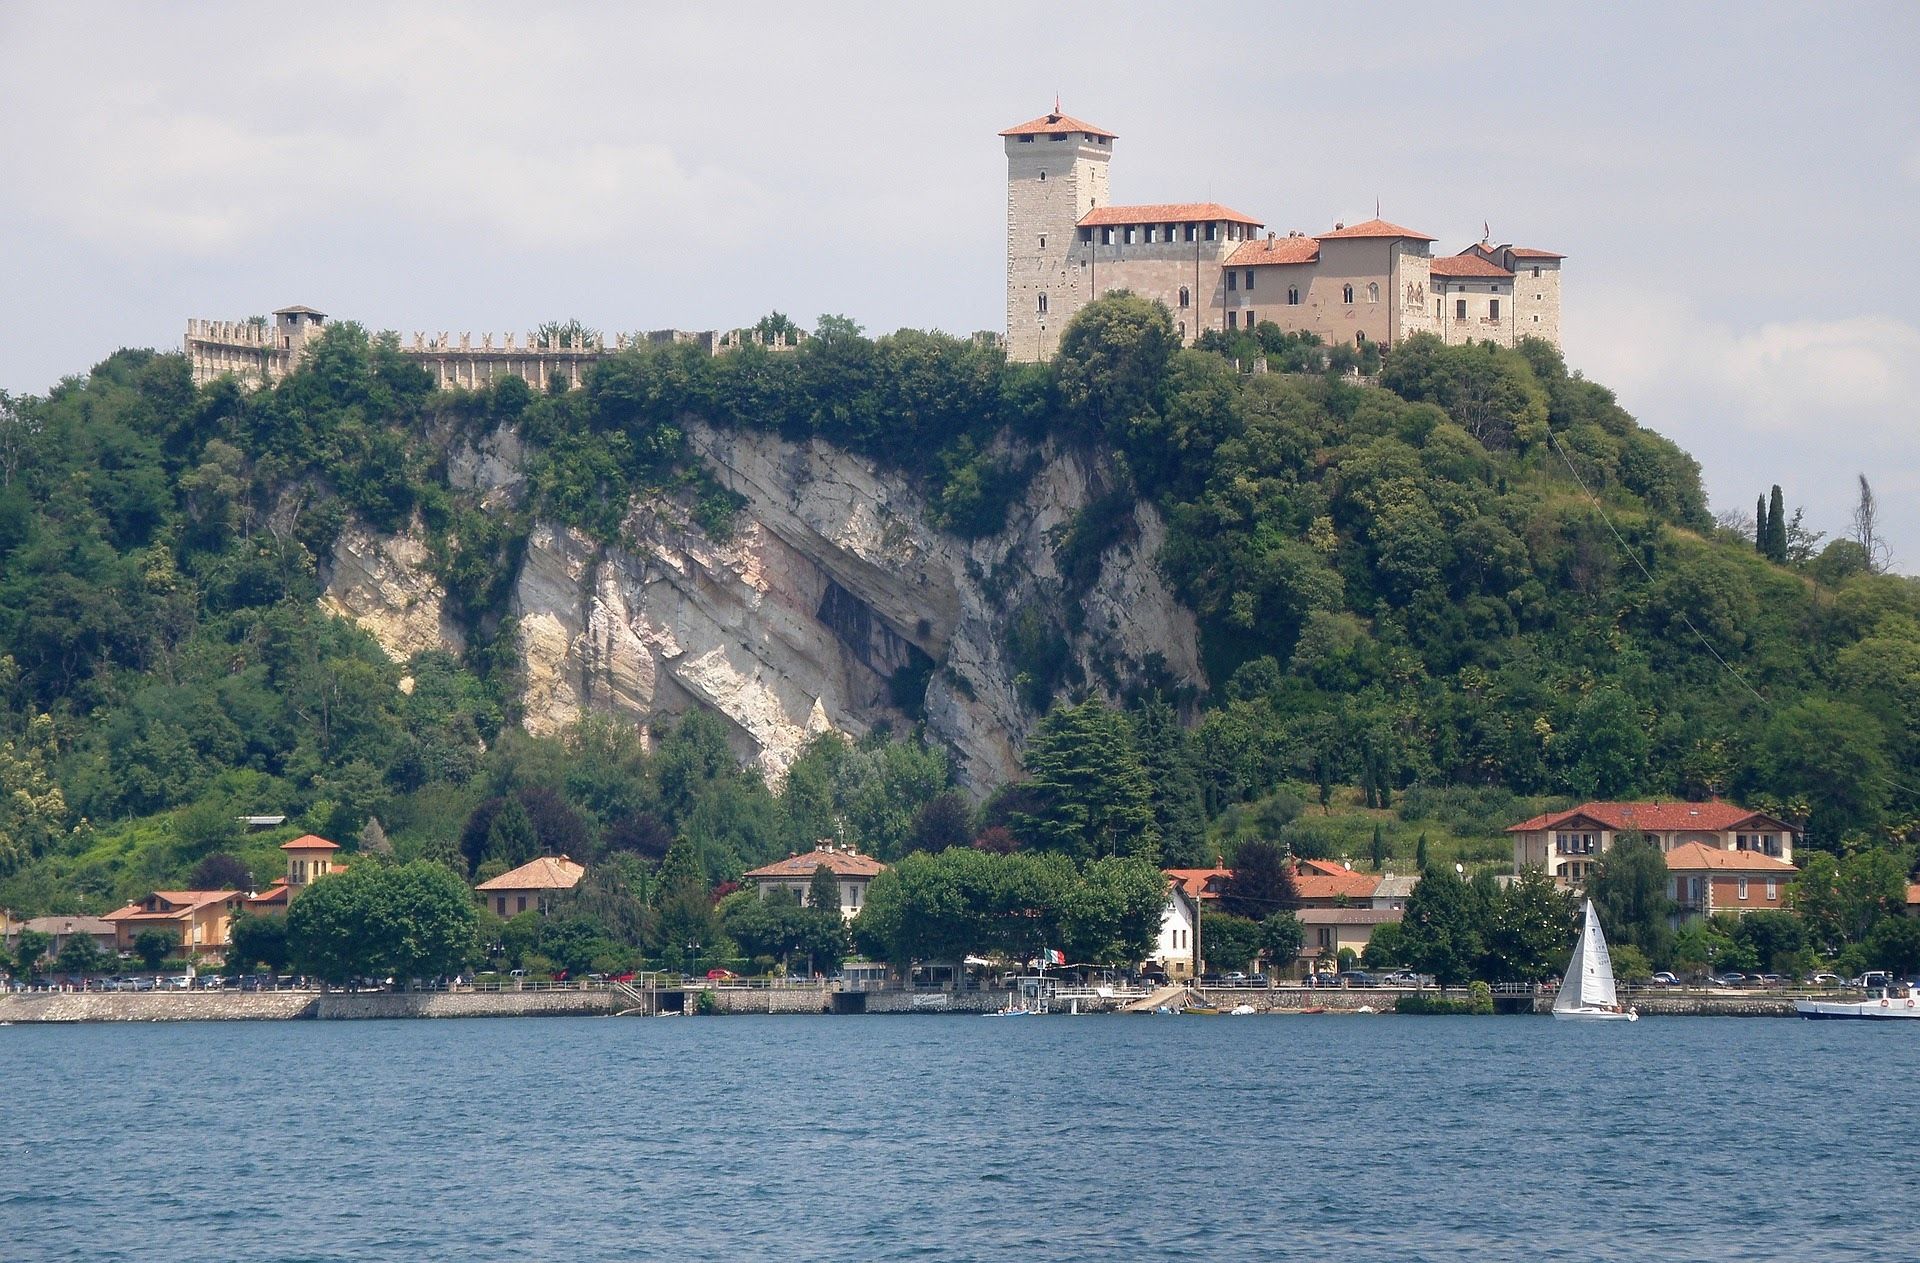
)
(1164, 213)
(1468, 265)
(1913, 896)
(276, 893)
(1712, 817)
(1522, 252)
(549, 872)
(1327, 886)
(310, 842)
(839, 862)
(1193, 881)
(1057, 124)
(179, 903)
(1374, 228)
(1275, 250)
(1699, 857)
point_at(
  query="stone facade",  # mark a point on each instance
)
(1068, 244)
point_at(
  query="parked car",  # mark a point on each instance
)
(1728, 980)
(1402, 978)
(1234, 978)
(1663, 979)
(1356, 978)
(1767, 980)
(721, 975)
(1822, 980)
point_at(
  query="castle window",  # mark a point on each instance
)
(1346, 294)
(1186, 297)
(1233, 320)
(1493, 309)
(1293, 295)
(1043, 241)
(1043, 177)
(1233, 281)
(1041, 306)
(1106, 236)
(1213, 231)
(1373, 292)
(1060, 136)
(1131, 230)
(1459, 309)
(1249, 280)
(1183, 329)
(1026, 140)
(1171, 234)
(1536, 271)
(1189, 232)
(1086, 234)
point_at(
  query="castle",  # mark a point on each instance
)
(261, 352)
(1067, 244)
(1214, 268)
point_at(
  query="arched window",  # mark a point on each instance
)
(1041, 306)
(1373, 292)
(1346, 294)
(1183, 329)
(1293, 295)
(1186, 298)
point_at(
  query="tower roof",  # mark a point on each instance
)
(297, 311)
(1468, 264)
(1057, 124)
(1373, 228)
(1164, 212)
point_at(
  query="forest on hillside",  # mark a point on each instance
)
(1427, 607)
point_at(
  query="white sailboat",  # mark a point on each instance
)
(1586, 993)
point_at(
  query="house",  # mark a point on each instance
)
(1173, 949)
(531, 886)
(1703, 880)
(1392, 892)
(59, 929)
(200, 921)
(1913, 900)
(1567, 844)
(1327, 884)
(1329, 930)
(854, 872)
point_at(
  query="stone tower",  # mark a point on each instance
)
(1056, 173)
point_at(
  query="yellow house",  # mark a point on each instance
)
(198, 920)
(309, 858)
(531, 886)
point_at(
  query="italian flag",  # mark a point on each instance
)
(1049, 956)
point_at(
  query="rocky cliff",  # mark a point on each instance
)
(832, 604)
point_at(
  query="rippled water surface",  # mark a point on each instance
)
(959, 1138)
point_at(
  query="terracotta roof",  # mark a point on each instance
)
(1057, 124)
(1348, 916)
(180, 902)
(1913, 895)
(1699, 856)
(1164, 213)
(549, 872)
(1713, 817)
(1193, 881)
(841, 863)
(310, 842)
(1374, 228)
(1468, 265)
(276, 893)
(1522, 252)
(1275, 250)
(1332, 886)
(297, 311)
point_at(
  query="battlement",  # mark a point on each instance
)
(259, 353)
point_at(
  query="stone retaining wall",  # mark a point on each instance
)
(240, 1006)
(345, 1006)
(741, 1000)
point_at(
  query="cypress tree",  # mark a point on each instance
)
(1379, 848)
(1776, 528)
(1420, 854)
(1760, 525)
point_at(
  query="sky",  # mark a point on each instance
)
(1735, 186)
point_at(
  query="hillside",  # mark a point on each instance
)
(341, 599)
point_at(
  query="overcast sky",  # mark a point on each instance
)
(1734, 185)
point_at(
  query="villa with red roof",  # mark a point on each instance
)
(1217, 268)
(530, 887)
(1338, 909)
(853, 871)
(1567, 844)
(1703, 880)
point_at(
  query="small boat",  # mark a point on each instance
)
(1242, 1010)
(1586, 993)
(1201, 1010)
(1883, 1003)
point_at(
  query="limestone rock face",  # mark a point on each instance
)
(385, 584)
(832, 604)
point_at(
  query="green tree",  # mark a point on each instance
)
(1112, 362)
(1832, 755)
(1534, 923)
(411, 921)
(220, 871)
(154, 946)
(511, 838)
(1230, 942)
(1606, 746)
(1894, 945)
(1776, 549)
(1113, 911)
(1386, 947)
(1281, 937)
(685, 922)
(1444, 930)
(823, 890)
(80, 957)
(28, 949)
(1776, 940)
(1178, 810)
(1629, 892)
(1377, 851)
(1090, 794)
(258, 941)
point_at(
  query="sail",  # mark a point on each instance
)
(1589, 980)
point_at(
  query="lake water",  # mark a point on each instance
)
(1329, 1138)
